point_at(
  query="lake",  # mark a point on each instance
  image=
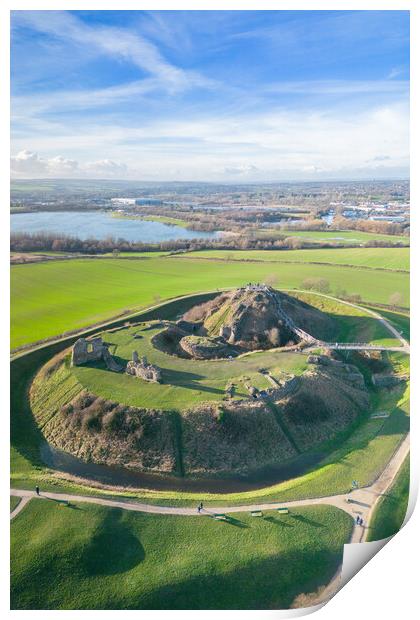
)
(100, 225)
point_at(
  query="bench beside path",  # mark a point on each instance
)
(357, 502)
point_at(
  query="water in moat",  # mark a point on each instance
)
(119, 476)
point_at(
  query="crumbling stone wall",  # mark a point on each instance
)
(85, 350)
(202, 348)
(139, 367)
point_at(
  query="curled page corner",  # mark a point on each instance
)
(357, 553)
(356, 556)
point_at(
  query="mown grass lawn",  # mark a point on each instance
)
(383, 258)
(92, 557)
(391, 509)
(48, 299)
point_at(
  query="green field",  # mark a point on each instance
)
(49, 299)
(341, 237)
(391, 508)
(91, 557)
(375, 258)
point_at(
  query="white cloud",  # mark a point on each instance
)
(106, 168)
(30, 164)
(240, 170)
(340, 87)
(253, 146)
(61, 165)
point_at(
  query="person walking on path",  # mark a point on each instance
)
(37, 489)
(199, 508)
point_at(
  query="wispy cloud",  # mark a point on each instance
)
(116, 42)
(205, 95)
(245, 145)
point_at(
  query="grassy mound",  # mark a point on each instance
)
(238, 435)
(253, 317)
(205, 418)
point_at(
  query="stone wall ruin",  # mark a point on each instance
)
(139, 367)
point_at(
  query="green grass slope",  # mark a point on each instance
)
(391, 509)
(48, 299)
(91, 557)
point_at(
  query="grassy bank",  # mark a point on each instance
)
(91, 557)
(390, 511)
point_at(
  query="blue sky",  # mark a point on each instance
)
(210, 95)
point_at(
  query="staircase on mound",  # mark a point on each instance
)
(300, 333)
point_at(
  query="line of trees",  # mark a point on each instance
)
(42, 242)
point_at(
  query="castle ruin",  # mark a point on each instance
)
(139, 367)
(85, 351)
(93, 350)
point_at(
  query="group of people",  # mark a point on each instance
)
(359, 520)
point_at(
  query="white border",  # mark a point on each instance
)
(388, 585)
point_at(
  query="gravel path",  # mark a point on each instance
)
(357, 502)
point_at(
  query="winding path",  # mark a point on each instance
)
(358, 346)
(358, 502)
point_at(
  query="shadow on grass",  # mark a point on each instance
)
(269, 583)
(232, 521)
(188, 380)
(278, 522)
(303, 519)
(397, 423)
(113, 548)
